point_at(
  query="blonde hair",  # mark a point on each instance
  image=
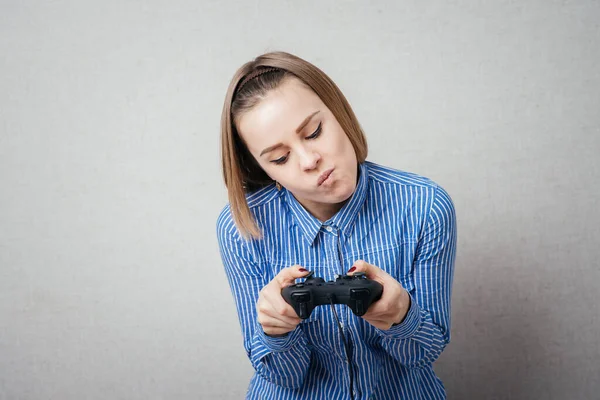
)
(250, 84)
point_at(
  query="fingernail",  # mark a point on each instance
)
(352, 269)
(302, 270)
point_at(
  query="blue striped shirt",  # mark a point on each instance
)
(401, 222)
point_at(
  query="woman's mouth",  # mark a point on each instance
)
(324, 176)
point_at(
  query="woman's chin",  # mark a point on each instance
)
(342, 194)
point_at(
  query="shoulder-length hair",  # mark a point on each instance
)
(251, 83)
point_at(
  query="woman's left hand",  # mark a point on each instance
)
(394, 303)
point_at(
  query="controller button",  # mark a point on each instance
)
(303, 311)
(360, 308)
(301, 297)
(358, 294)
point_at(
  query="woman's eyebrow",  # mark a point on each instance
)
(306, 121)
(298, 130)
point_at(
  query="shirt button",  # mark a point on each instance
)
(329, 229)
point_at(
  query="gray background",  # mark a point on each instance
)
(111, 285)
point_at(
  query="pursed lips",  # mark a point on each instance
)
(324, 176)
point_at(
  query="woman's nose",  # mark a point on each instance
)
(310, 160)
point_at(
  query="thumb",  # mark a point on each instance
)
(287, 276)
(372, 272)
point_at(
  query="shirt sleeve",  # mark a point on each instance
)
(283, 361)
(425, 331)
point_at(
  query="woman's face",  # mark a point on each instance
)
(298, 142)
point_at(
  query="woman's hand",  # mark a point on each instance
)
(394, 303)
(275, 315)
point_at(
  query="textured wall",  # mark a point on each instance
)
(111, 285)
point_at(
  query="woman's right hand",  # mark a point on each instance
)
(275, 315)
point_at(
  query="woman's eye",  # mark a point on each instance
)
(316, 133)
(280, 160)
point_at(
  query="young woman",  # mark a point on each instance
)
(303, 198)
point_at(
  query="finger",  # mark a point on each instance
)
(268, 317)
(276, 303)
(374, 312)
(384, 326)
(275, 332)
(378, 323)
(270, 322)
(394, 296)
(287, 276)
(286, 314)
(284, 309)
(372, 272)
(377, 311)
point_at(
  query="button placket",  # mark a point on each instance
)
(330, 242)
(343, 313)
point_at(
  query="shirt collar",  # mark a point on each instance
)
(344, 219)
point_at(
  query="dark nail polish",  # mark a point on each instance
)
(352, 269)
(302, 270)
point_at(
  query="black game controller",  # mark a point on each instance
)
(356, 291)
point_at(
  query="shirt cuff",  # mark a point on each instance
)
(409, 326)
(279, 344)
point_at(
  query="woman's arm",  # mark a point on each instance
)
(424, 330)
(284, 360)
